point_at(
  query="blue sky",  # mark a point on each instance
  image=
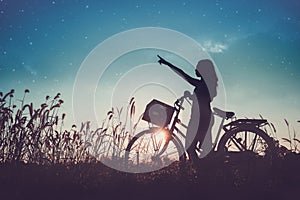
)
(255, 45)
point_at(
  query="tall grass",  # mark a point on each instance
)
(292, 139)
(37, 134)
(291, 142)
(108, 143)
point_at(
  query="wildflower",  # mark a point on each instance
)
(57, 96)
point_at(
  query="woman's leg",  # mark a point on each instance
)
(207, 144)
(204, 123)
(191, 140)
(191, 150)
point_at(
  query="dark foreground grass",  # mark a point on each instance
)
(234, 178)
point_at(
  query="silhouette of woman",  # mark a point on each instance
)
(201, 114)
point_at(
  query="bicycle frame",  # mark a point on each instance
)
(235, 124)
(178, 107)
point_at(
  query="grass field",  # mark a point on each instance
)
(39, 159)
(237, 179)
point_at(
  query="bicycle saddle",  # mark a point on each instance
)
(223, 114)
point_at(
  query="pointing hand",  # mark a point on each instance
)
(161, 60)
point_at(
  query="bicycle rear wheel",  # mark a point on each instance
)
(247, 139)
(153, 149)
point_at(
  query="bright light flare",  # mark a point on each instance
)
(162, 135)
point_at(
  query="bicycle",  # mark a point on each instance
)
(160, 144)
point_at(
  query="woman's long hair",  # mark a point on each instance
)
(207, 71)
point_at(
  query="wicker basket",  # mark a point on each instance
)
(158, 113)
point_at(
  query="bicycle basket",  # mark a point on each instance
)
(158, 113)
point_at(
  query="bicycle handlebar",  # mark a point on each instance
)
(179, 101)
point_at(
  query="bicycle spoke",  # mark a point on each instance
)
(236, 142)
(137, 158)
(140, 143)
(153, 142)
(245, 140)
(147, 147)
(254, 141)
(159, 144)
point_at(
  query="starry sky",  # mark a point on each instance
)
(255, 45)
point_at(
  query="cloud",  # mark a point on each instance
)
(212, 47)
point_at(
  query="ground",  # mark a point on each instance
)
(234, 177)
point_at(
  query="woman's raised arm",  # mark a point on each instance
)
(179, 71)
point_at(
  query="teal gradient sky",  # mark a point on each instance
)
(255, 45)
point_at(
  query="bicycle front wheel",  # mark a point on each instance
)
(153, 149)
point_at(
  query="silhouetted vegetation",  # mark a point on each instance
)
(40, 159)
(37, 135)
